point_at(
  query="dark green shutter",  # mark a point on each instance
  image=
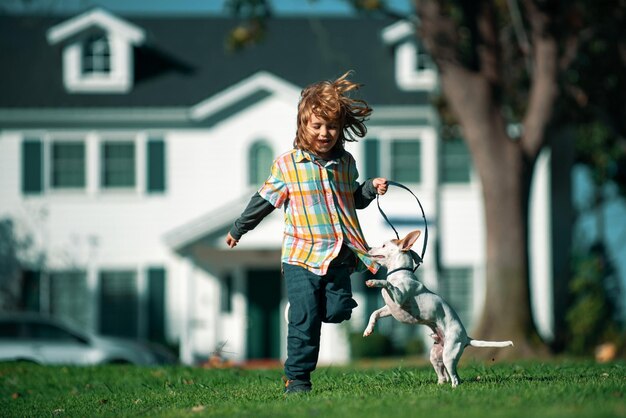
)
(156, 166)
(31, 288)
(372, 152)
(156, 304)
(32, 181)
(226, 294)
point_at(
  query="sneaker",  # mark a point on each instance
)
(297, 386)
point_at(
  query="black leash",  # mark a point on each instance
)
(417, 258)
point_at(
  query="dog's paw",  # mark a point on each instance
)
(367, 333)
(370, 283)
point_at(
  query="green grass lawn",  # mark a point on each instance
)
(522, 389)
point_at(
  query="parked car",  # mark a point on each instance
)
(45, 340)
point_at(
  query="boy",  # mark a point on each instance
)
(323, 243)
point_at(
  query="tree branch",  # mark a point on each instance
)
(544, 89)
(520, 32)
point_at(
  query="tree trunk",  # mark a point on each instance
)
(507, 309)
(504, 165)
(505, 175)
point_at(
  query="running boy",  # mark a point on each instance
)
(316, 183)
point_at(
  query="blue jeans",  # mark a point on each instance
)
(313, 299)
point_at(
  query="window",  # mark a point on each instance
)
(69, 297)
(260, 161)
(424, 61)
(68, 165)
(62, 162)
(405, 161)
(118, 164)
(98, 52)
(96, 55)
(455, 286)
(398, 160)
(119, 304)
(455, 161)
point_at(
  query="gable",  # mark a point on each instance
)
(98, 18)
(242, 95)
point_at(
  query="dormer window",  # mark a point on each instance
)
(97, 52)
(96, 55)
(414, 69)
(424, 62)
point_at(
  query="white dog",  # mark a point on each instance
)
(409, 301)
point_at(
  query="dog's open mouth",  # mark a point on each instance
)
(377, 255)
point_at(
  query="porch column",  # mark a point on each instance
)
(188, 303)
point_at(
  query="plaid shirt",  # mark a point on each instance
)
(320, 211)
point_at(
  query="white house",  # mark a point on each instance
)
(128, 147)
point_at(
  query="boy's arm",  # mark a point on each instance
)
(367, 191)
(257, 209)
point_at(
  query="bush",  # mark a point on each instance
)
(414, 346)
(376, 345)
(592, 318)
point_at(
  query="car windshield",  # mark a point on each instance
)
(49, 332)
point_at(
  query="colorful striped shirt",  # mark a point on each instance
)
(319, 209)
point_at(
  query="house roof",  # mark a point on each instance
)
(183, 61)
(216, 222)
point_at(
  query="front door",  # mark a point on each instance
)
(263, 326)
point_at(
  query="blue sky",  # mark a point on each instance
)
(282, 7)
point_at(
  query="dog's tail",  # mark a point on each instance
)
(481, 343)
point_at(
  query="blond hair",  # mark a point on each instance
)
(329, 100)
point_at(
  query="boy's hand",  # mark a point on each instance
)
(230, 241)
(380, 184)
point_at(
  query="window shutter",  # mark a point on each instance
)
(156, 304)
(32, 182)
(372, 155)
(31, 288)
(156, 166)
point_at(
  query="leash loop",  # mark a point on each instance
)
(416, 257)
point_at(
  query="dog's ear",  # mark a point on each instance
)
(408, 241)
